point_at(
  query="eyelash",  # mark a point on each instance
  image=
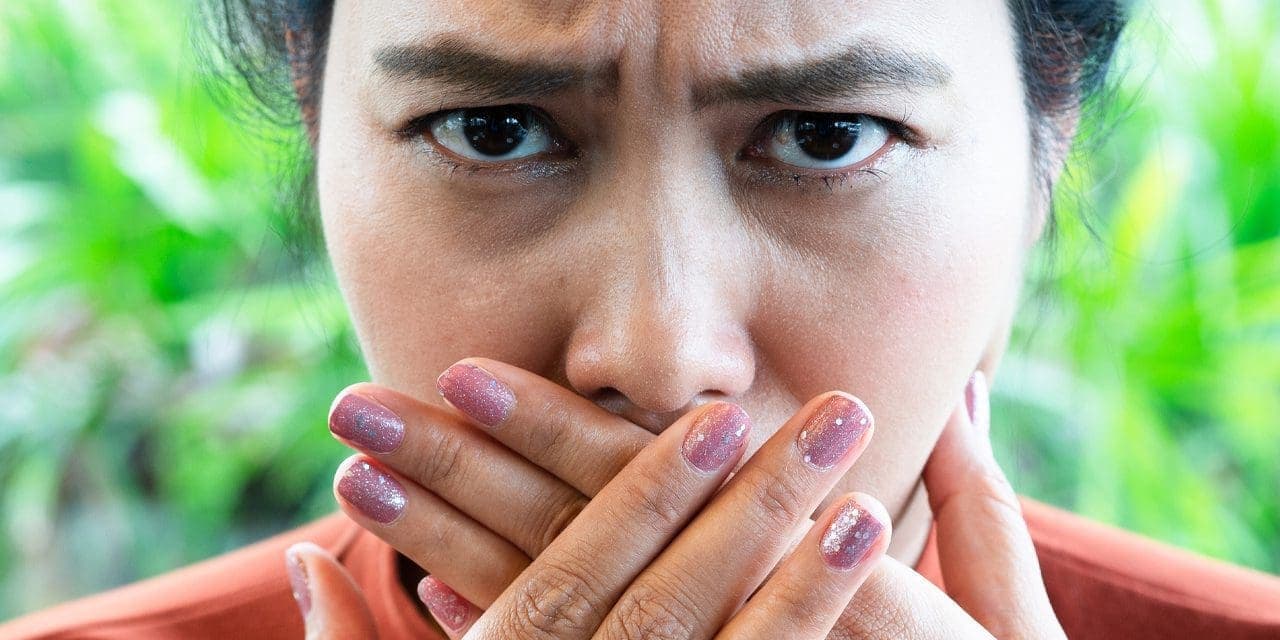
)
(418, 129)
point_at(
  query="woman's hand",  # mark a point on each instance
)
(559, 431)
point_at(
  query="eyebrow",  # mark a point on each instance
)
(476, 72)
(473, 71)
(859, 68)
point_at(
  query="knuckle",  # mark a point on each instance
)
(442, 462)
(557, 515)
(783, 502)
(651, 610)
(651, 502)
(793, 602)
(549, 445)
(991, 491)
(554, 603)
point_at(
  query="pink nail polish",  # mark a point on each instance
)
(298, 579)
(832, 430)
(715, 435)
(367, 424)
(449, 608)
(371, 490)
(850, 536)
(476, 393)
(977, 400)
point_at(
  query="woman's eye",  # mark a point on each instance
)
(816, 140)
(493, 134)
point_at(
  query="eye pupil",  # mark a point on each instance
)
(495, 131)
(826, 136)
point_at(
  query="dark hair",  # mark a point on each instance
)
(274, 50)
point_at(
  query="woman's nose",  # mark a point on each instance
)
(652, 362)
(666, 325)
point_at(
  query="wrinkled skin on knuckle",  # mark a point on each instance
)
(652, 609)
(794, 601)
(986, 495)
(555, 603)
(549, 444)
(441, 462)
(782, 502)
(556, 516)
(652, 503)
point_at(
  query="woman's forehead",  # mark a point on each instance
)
(675, 39)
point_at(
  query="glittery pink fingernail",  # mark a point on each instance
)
(978, 401)
(449, 608)
(298, 579)
(476, 393)
(715, 436)
(371, 490)
(367, 424)
(832, 430)
(850, 536)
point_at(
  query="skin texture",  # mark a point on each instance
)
(657, 271)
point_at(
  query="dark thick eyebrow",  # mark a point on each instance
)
(860, 68)
(470, 70)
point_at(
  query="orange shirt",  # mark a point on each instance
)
(1103, 582)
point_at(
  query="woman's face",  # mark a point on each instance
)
(751, 201)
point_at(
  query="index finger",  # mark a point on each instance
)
(551, 426)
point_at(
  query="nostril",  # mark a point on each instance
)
(610, 399)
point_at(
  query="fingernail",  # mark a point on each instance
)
(715, 435)
(832, 430)
(366, 423)
(977, 400)
(849, 537)
(298, 578)
(477, 393)
(371, 490)
(449, 608)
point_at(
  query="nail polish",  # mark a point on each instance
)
(832, 430)
(476, 393)
(978, 402)
(366, 423)
(298, 579)
(850, 536)
(715, 435)
(449, 608)
(371, 490)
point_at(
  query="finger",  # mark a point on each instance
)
(568, 589)
(988, 560)
(810, 589)
(332, 606)
(554, 428)
(431, 532)
(447, 456)
(724, 554)
(451, 611)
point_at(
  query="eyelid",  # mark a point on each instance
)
(766, 170)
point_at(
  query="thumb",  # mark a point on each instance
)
(988, 560)
(331, 603)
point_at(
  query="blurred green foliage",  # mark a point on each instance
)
(165, 364)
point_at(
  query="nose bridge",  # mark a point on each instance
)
(666, 324)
